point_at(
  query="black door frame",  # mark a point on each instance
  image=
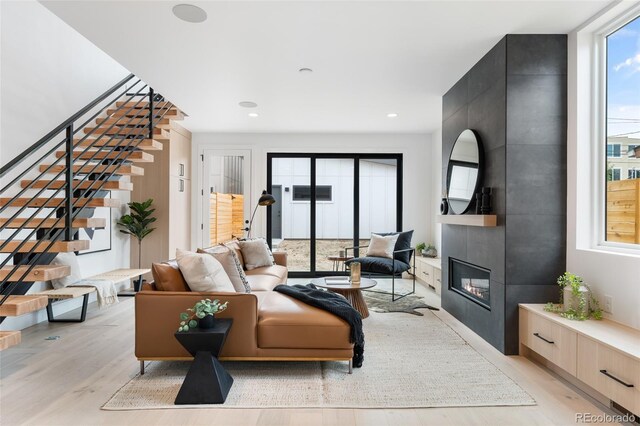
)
(356, 198)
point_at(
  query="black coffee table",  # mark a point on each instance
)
(207, 381)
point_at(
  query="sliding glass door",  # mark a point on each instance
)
(328, 202)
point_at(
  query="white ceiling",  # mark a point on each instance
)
(369, 58)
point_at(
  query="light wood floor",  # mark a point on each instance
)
(66, 381)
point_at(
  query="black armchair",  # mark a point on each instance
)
(387, 268)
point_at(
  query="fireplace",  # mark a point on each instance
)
(471, 281)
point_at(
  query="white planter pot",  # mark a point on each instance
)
(573, 302)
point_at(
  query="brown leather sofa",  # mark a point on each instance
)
(267, 325)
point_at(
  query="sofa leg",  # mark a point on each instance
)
(141, 367)
(351, 366)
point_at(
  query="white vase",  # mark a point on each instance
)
(573, 302)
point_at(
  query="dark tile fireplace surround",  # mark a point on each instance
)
(515, 98)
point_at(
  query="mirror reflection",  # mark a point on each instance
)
(463, 172)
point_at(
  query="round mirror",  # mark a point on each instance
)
(464, 172)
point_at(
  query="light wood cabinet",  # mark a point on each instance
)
(428, 270)
(601, 354)
(168, 181)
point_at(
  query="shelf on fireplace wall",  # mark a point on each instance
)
(486, 220)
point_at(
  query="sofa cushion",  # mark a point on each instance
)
(382, 245)
(203, 272)
(380, 265)
(167, 277)
(256, 253)
(277, 271)
(232, 266)
(284, 322)
(263, 282)
(403, 243)
(233, 245)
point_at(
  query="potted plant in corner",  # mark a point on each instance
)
(138, 224)
(576, 299)
(420, 248)
(202, 314)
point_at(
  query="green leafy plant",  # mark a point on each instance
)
(421, 246)
(200, 310)
(138, 222)
(575, 282)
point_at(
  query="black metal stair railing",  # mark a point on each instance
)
(67, 210)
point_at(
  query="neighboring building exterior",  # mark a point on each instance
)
(622, 160)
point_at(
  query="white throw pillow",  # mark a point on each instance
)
(203, 272)
(67, 259)
(382, 246)
(256, 253)
(232, 266)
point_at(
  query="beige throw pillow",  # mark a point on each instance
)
(66, 259)
(203, 272)
(231, 264)
(256, 253)
(382, 246)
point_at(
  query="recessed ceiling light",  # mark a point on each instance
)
(253, 114)
(305, 70)
(189, 13)
(248, 104)
(392, 115)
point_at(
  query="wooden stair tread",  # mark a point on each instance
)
(172, 114)
(20, 305)
(97, 155)
(122, 131)
(31, 223)
(41, 246)
(55, 202)
(119, 169)
(140, 105)
(144, 144)
(112, 185)
(9, 338)
(38, 273)
(133, 121)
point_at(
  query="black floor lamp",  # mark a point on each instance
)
(264, 200)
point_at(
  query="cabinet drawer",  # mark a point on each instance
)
(611, 373)
(426, 274)
(550, 340)
(437, 280)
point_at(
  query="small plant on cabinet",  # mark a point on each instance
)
(577, 300)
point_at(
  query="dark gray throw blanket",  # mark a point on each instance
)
(335, 304)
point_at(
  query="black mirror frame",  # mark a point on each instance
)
(480, 177)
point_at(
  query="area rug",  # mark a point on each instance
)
(409, 362)
(377, 302)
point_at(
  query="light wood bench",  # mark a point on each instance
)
(75, 291)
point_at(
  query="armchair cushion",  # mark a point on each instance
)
(381, 265)
(402, 243)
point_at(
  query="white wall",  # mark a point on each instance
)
(608, 271)
(436, 190)
(48, 72)
(416, 150)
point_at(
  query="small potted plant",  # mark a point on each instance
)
(577, 301)
(201, 315)
(430, 251)
(420, 248)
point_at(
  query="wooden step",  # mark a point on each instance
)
(43, 245)
(144, 144)
(38, 273)
(20, 305)
(56, 202)
(133, 156)
(9, 338)
(164, 123)
(31, 223)
(112, 185)
(122, 131)
(172, 114)
(121, 169)
(136, 104)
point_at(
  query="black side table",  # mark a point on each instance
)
(207, 381)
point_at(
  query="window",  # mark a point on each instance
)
(622, 132)
(613, 150)
(303, 193)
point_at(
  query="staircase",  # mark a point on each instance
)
(51, 190)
